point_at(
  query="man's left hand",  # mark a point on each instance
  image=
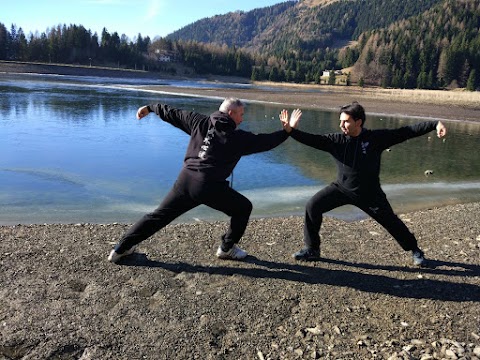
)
(441, 130)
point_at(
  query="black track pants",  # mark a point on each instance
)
(375, 205)
(186, 194)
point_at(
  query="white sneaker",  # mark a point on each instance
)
(419, 258)
(114, 256)
(235, 253)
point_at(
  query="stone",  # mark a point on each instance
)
(476, 351)
(315, 331)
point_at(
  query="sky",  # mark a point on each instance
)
(130, 17)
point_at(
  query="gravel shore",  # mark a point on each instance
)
(61, 299)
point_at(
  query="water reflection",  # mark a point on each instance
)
(74, 152)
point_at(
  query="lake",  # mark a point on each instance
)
(73, 152)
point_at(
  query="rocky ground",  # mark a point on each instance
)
(61, 299)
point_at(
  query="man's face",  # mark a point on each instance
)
(237, 115)
(350, 126)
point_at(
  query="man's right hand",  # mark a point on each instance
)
(142, 112)
(288, 125)
(295, 118)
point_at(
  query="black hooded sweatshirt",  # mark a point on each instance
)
(358, 158)
(215, 145)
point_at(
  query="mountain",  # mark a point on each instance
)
(423, 44)
(232, 29)
(305, 25)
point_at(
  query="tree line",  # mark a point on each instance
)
(73, 45)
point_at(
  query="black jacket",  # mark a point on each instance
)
(215, 145)
(358, 158)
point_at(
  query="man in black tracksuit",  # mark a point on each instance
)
(357, 152)
(214, 149)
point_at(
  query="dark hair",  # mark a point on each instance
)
(355, 110)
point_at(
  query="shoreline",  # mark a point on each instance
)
(446, 105)
(445, 207)
(375, 101)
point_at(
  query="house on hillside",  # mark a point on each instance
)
(164, 56)
(326, 73)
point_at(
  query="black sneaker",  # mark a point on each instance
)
(418, 258)
(307, 254)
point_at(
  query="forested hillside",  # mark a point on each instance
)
(438, 48)
(405, 44)
(294, 25)
(233, 29)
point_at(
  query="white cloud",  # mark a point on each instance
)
(154, 9)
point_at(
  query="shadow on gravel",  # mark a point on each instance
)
(434, 267)
(420, 288)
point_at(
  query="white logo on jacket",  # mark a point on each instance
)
(207, 140)
(364, 146)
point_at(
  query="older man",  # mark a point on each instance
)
(215, 147)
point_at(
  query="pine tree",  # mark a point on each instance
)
(12, 44)
(255, 73)
(4, 39)
(288, 75)
(422, 80)
(273, 74)
(472, 81)
(332, 78)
